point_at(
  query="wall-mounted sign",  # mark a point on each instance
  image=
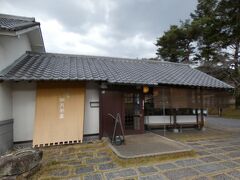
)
(61, 107)
(94, 104)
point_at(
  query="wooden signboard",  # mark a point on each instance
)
(59, 113)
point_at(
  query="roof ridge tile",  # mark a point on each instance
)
(109, 58)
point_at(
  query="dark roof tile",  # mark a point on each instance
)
(50, 66)
(16, 23)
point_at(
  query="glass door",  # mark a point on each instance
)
(133, 113)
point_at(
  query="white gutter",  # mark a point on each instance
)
(17, 33)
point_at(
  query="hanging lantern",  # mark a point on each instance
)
(145, 89)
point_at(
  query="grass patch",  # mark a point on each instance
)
(198, 135)
(231, 113)
(190, 138)
(151, 159)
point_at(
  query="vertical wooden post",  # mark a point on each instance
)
(202, 118)
(175, 121)
(170, 103)
(220, 112)
(171, 117)
(196, 111)
(174, 118)
(196, 105)
(100, 114)
(201, 113)
(173, 111)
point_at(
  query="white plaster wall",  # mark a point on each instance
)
(191, 119)
(11, 48)
(91, 116)
(158, 120)
(23, 97)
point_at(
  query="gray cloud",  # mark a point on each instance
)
(127, 28)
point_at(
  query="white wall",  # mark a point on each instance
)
(23, 100)
(11, 48)
(157, 120)
(161, 120)
(91, 116)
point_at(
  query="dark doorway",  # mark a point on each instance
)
(130, 107)
(111, 102)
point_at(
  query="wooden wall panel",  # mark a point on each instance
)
(59, 113)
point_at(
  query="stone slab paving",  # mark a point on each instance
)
(234, 154)
(84, 169)
(234, 173)
(166, 166)
(209, 168)
(201, 178)
(98, 160)
(222, 177)
(181, 173)
(188, 162)
(237, 160)
(107, 166)
(147, 169)
(152, 177)
(229, 164)
(216, 158)
(93, 177)
(60, 173)
(209, 159)
(201, 152)
(123, 173)
(216, 151)
(222, 156)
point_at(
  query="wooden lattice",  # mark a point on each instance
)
(176, 97)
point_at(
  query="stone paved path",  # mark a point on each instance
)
(217, 158)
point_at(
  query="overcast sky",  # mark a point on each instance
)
(123, 28)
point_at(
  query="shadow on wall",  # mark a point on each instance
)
(6, 135)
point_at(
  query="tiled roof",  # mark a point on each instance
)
(16, 23)
(49, 66)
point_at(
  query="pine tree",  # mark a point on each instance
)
(228, 16)
(204, 20)
(212, 37)
(176, 44)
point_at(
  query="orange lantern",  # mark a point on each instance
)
(145, 89)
